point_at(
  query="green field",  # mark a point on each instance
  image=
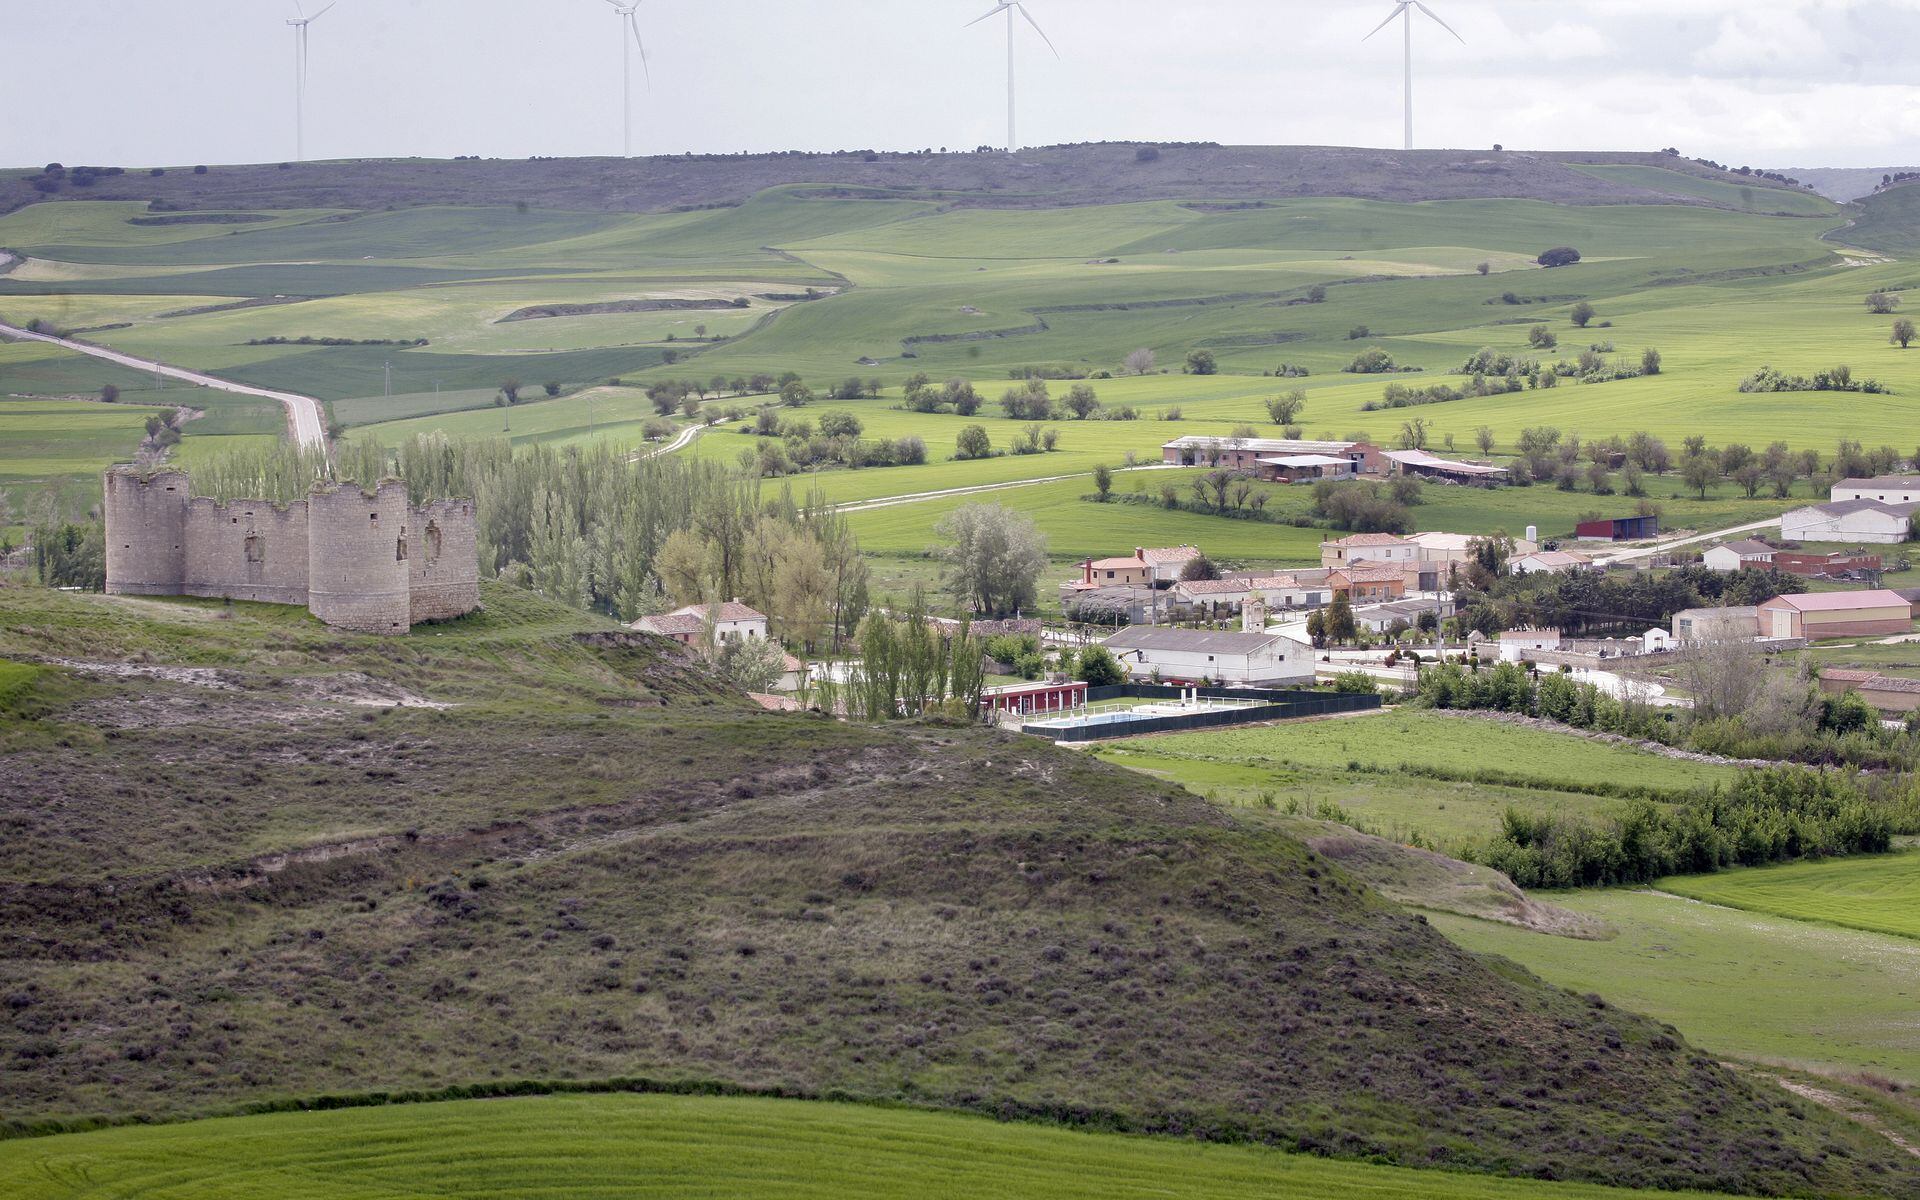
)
(1483, 767)
(1880, 894)
(588, 1147)
(1755, 986)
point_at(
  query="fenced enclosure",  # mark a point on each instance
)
(1131, 709)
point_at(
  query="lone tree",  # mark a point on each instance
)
(1340, 625)
(1541, 338)
(1649, 361)
(1882, 303)
(1140, 361)
(110, 394)
(1081, 401)
(1286, 409)
(973, 442)
(1198, 568)
(510, 388)
(1483, 268)
(1103, 481)
(1099, 668)
(1202, 362)
(1559, 256)
(1581, 314)
(1902, 333)
(991, 558)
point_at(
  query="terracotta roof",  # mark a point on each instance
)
(1363, 572)
(1844, 675)
(1115, 564)
(669, 624)
(1369, 539)
(1216, 587)
(1171, 554)
(1840, 601)
(773, 703)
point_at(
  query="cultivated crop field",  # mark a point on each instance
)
(1472, 769)
(1881, 893)
(594, 1147)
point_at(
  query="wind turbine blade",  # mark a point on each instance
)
(997, 10)
(323, 12)
(634, 26)
(1037, 29)
(1436, 20)
(1397, 10)
(298, 11)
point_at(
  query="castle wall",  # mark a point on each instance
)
(443, 561)
(247, 550)
(369, 563)
(146, 533)
(357, 577)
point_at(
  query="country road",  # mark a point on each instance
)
(917, 497)
(303, 412)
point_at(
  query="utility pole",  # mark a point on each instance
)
(388, 367)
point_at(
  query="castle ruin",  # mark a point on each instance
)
(365, 561)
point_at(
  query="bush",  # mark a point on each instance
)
(1371, 361)
(1202, 362)
(1356, 683)
(1099, 668)
(1559, 256)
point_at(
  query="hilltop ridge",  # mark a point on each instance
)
(1050, 176)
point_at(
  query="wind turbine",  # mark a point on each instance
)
(1404, 10)
(632, 25)
(300, 77)
(1010, 7)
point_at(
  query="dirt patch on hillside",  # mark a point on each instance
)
(1846, 1108)
(1424, 879)
(608, 307)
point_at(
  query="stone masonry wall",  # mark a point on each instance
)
(443, 560)
(247, 550)
(364, 562)
(358, 548)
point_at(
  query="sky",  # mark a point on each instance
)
(1767, 83)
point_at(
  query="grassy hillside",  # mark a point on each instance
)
(1888, 222)
(589, 1147)
(1753, 985)
(596, 864)
(1876, 894)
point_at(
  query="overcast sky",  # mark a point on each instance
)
(1775, 83)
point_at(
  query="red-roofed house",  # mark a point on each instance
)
(1836, 614)
(1117, 572)
(734, 622)
(1369, 583)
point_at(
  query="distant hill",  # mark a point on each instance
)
(1842, 184)
(264, 878)
(1044, 177)
(1888, 221)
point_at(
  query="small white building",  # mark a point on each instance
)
(1375, 548)
(1456, 548)
(1655, 640)
(1735, 556)
(1166, 562)
(1193, 655)
(1548, 562)
(1887, 489)
(1880, 522)
(1516, 644)
(734, 622)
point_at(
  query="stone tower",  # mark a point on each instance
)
(358, 550)
(146, 533)
(1253, 613)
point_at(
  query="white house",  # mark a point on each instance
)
(1455, 548)
(1887, 489)
(1516, 644)
(1656, 639)
(1747, 552)
(1371, 547)
(1736, 623)
(1876, 521)
(1193, 655)
(1548, 562)
(1166, 562)
(733, 623)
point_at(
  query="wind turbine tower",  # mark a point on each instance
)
(1404, 11)
(631, 25)
(300, 77)
(1010, 7)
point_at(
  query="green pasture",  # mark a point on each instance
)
(1483, 767)
(588, 1147)
(58, 447)
(615, 415)
(1747, 984)
(1880, 894)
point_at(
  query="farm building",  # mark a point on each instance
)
(1133, 571)
(1619, 529)
(1304, 589)
(1373, 547)
(1875, 521)
(1516, 644)
(734, 622)
(1548, 562)
(1831, 564)
(1888, 693)
(1423, 465)
(1192, 655)
(1257, 456)
(1836, 614)
(1038, 697)
(1455, 549)
(1733, 623)
(1888, 489)
(1168, 561)
(1748, 552)
(1306, 468)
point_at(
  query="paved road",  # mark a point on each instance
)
(303, 412)
(1660, 547)
(684, 439)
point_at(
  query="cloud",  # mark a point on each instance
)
(1762, 40)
